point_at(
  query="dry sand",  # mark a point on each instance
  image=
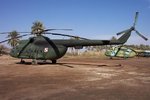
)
(76, 79)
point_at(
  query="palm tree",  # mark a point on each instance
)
(13, 41)
(37, 27)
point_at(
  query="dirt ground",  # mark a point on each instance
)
(76, 79)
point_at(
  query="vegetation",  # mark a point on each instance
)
(13, 41)
(37, 27)
(3, 50)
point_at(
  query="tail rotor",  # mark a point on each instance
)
(133, 28)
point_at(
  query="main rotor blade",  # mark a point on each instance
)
(119, 33)
(4, 32)
(68, 36)
(23, 35)
(141, 35)
(135, 19)
(16, 37)
(41, 31)
(57, 29)
(17, 32)
(4, 41)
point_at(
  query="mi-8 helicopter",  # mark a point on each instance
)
(125, 52)
(41, 47)
(121, 52)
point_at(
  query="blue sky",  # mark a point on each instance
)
(94, 19)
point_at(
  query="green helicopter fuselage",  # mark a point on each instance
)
(41, 47)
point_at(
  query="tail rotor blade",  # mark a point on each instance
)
(141, 35)
(135, 19)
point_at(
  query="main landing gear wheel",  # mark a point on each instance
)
(22, 61)
(54, 61)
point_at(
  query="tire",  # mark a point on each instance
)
(54, 61)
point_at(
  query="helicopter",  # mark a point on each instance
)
(40, 47)
(126, 52)
(143, 53)
(120, 51)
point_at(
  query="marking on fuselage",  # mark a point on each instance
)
(45, 49)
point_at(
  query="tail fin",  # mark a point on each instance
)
(124, 37)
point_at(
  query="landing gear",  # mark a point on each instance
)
(54, 61)
(22, 61)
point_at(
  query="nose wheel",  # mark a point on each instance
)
(54, 61)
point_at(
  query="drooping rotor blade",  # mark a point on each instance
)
(4, 32)
(119, 33)
(57, 29)
(24, 32)
(141, 35)
(4, 41)
(135, 19)
(23, 35)
(43, 31)
(17, 32)
(16, 37)
(67, 35)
